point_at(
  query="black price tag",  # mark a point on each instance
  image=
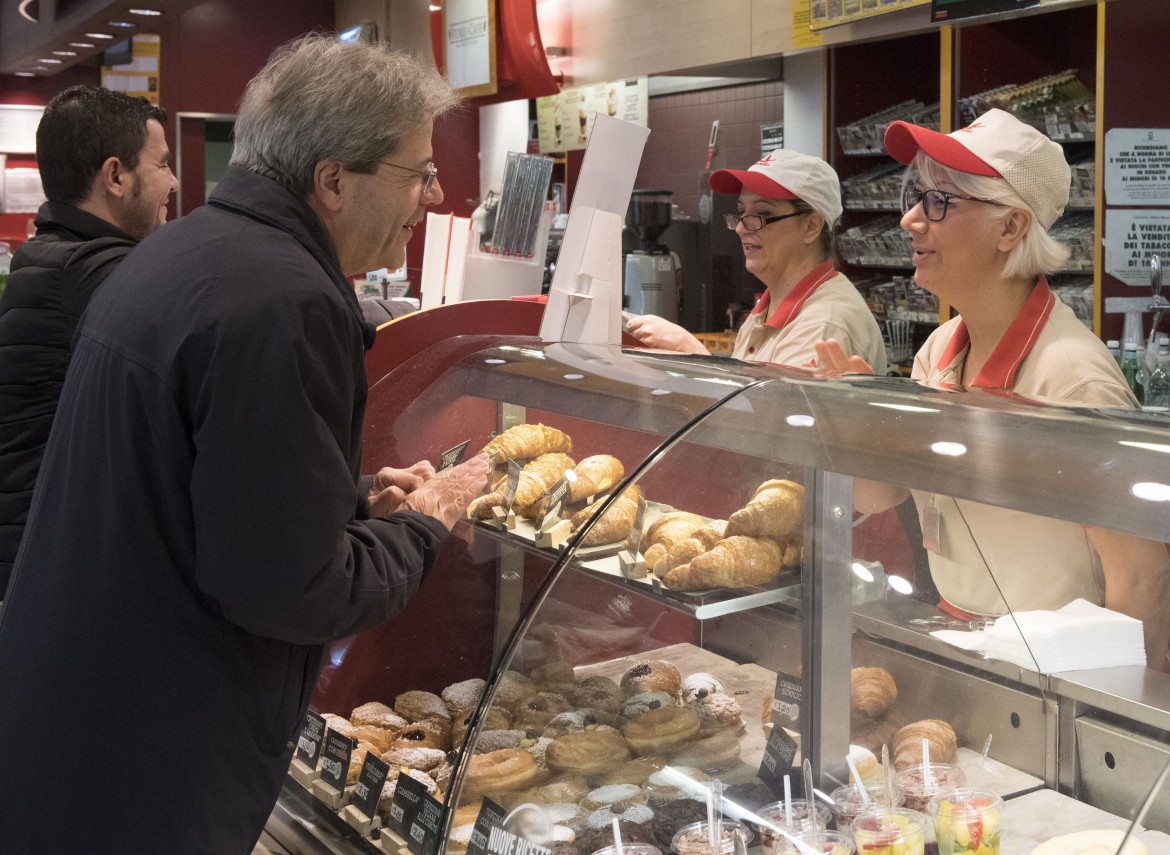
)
(408, 799)
(309, 742)
(511, 484)
(787, 701)
(335, 759)
(488, 826)
(779, 753)
(368, 788)
(452, 456)
(423, 838)
(634, 541)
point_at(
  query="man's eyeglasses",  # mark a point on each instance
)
(934, 202)
(427, 175)
(755, 222)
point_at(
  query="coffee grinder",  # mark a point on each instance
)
(653, 276)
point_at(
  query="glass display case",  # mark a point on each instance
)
(556, 679)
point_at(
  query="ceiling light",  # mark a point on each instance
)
(82, 44)
(98, 36)
(150, 13)
(120, 24)
(64, 53)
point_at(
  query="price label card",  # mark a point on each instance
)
(634, 541)
(335, 759)
(786, 703)
(309, 742)
(452, 456)
(408, 799)
(511, 484)
(423, 838)
(777, 760)
(556, 498)
(488, 827)
(368, 788)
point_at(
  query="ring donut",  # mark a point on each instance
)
(660, 730)
(500, 771)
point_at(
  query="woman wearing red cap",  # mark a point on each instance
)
(788, 205)
(977, 204)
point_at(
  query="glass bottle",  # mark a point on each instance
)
(1115, 348)
(1158, 386)
(1129, 367)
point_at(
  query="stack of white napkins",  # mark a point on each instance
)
(1074, 638)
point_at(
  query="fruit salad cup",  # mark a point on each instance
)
(967, 821)
(890, 831)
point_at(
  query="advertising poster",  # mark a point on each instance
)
(469, 46)
(831, 13)
(564, 120)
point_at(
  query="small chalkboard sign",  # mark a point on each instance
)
(787, 701)
(407, 802)
(368, 788)
(779, 752)
(491, 818)
(452, 456)
(309, 742)
(335, 759)
(427, 827)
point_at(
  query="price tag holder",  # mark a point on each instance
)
(427, 827)
(779, 752)
(408, 799)
(488, 826)
(362, 810)
(330, 787)
(787, 701)
(452, 456)
(556, 500)
(630, 560)
(304, 764)
(511, 484)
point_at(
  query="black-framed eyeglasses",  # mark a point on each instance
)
(427, 175)
(755, 222)
(935, 202)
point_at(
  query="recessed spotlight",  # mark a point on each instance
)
(149, 13)
(82, 44)
(98, 36)
(64, 53)
(120, 24)
(24, 74)
(48, 61)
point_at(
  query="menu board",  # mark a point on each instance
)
(564, 120)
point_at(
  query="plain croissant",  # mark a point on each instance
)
(665, 532)
(615, 524)
(535, 478)
(594, 475)
(907, 743)
(735, 562)
(689, 548)
(872, 692)
(776, 509)
(526, 441)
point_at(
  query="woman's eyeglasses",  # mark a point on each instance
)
(935, 202)
(427, 175)
(755, 222)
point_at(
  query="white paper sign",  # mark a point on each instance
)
(1137, 166)
(468, 44)
(1131, 237)
(18, 128)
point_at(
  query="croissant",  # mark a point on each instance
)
(527, 441)
(535, 478)
(615, 523)
(907, 743)
(692, 547)
(665, 532)
(595, 475)
(775, 510)
(735, 562)
(871, 692)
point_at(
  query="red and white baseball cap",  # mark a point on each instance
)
(785, 174)
(996, 144)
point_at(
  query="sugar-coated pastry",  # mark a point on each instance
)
(379, 715)
(462, 697)
(643, 702)
(418, 705)
(599, 693)
(427, 733)
(514, 690)
(700, 685)
(713, 754)
(610, 794)
(380, 738)
(499, 771)
(496, 718)
(537, 748)
(661, 730)
(590, 752)
(338, 724)
(651, 675)
(575, 721)
(554, 676)
(414, 757)
(494, 740)
(539, 710)
(717, 712)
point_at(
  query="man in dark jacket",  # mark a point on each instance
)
(104, 166)
(200, 531)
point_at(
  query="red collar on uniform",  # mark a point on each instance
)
(790, 306)
(1000, 370)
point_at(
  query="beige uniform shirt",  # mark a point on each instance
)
(1036, 562)
(823, 305)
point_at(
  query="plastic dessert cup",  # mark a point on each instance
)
(802, 820)
(848, 804)
(695, 839)
(917, 789)
(828, 842)
(967, 821)
(890, 831)
(630, 849)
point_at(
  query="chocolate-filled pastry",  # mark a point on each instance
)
(643, 702)
(576, 721)
(376, 736)
(427, 733)
(701, 684)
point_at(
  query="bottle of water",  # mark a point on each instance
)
(1158, 386)
(1129, 367)
(1115, 348)
(1143, 372)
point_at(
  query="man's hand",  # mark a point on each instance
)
(655, 332)
(832, 361)
(392, 486)
(447, 495)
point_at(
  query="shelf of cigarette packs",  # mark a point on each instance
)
(864, 136)
(878, 188)
(905, 314)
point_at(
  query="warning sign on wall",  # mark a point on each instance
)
(1137, 166)
(1131, 238)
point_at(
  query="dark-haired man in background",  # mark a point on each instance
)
(104, 165)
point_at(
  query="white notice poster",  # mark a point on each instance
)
(1137, 166)
(468, 39)
(1131, 237)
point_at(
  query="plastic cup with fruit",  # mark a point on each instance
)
(919, 784)
(848, 804)
(967, 821)
(889, 831)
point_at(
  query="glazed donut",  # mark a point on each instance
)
(713, 754)
(416, 706)
(643, 702)
(378, 715)
(700, 685)
(599, 693)
(591, 752)
(663, 729)
(539, 710)
(717, 712)
(428, 733)
(499, 771)
(651, 675)
(461, 698)
(378, 737)
(513, 691)
(414, 757)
